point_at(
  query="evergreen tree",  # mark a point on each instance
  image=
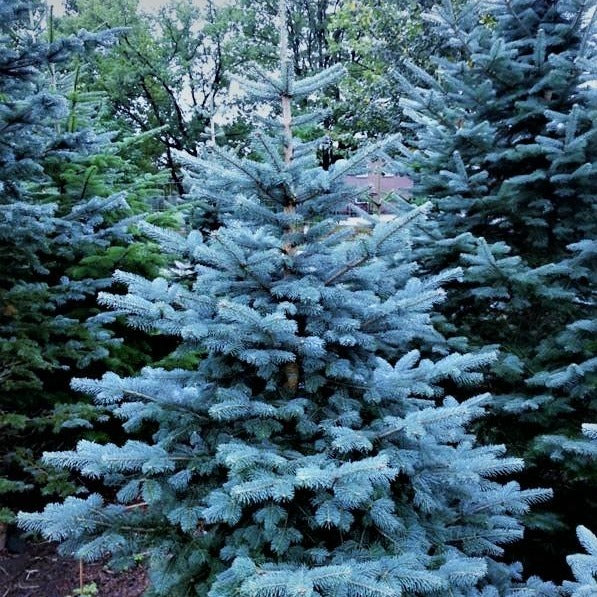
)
(63, 211)
(505, 146)
(312, 450)
(584, 566)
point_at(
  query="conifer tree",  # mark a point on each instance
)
(505, 146)
(312, 450)
(584, 566)
(62, 210)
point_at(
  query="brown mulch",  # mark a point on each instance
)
(40, 572)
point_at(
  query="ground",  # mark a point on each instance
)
(39, 572)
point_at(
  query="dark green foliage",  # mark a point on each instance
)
(65, 226)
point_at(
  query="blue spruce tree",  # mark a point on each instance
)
(52, 220)
(312, 451)
(584, 566)
(505, 146)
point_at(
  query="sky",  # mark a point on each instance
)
(154, 4)
(146, 5)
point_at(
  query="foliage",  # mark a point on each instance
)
(505, 147)
(584, 566)
(371, 38)
(258, 31)
(374, 39)
(166, 72)
(312, 450)
(87, 590)
(65, 225)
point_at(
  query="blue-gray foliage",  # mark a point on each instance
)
(584, 566)
(313, 450)
(42, 229)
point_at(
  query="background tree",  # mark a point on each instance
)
(374, 39)
(166, 72)
(257, 34)
(505, 147)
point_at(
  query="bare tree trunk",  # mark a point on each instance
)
(291, 370)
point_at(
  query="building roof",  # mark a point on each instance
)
(380, 183)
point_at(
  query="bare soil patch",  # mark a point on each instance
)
(40, 572)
